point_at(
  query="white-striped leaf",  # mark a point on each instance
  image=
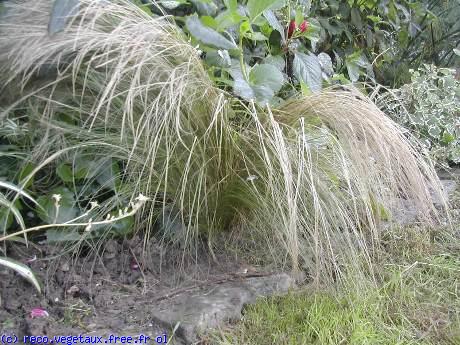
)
(22, 270)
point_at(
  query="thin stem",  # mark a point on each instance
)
(136, 207)
(242, 64)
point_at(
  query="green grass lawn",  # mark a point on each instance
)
(415, 300)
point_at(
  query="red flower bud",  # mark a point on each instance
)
(304, 26)
(291, 28)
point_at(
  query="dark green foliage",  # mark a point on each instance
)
(75, 178)
(358, 40)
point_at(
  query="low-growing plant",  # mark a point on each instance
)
(93, 228)
(70, 174)
(429, 108)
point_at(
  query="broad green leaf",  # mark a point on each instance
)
(227, 19)
(25, 171)
(64, 171)
(344, 10)
(307, 68)
(313, 33)
(341, 79)
(22, 270)
(434, 131)
(219, 58)
(257, 7)
(62, 11)
(277, 61)
(274, 23)
(205, 7)
(264, 94)
(353, 70)
(207, 35)
(355, 63)
(304, 89)
(171, 4)
(276, 43)
(375, 19)
(264, 81)
(447, 137)
(108, 175)
(245, 27)
(267, 76)
(326, 64)
(62, 235)
(333, 27)
(67, 209)
(143, 7)
(247, 32)
(333, 5)
(83, 167)
(369, 38)
(298, 16)
(356, 18)
(240, 86)
(256, 36)
(231, 4)
(122, 227)
(209, 22)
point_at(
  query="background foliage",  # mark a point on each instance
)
(262, 49)
(429, 107)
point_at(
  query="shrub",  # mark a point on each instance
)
(429, 107)
(315, 43)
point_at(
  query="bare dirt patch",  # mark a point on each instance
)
(123, 290)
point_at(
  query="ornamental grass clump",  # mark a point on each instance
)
(312, 177)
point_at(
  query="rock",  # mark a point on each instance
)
(405, 212)
(196, 312)
(449, 187)
(271, 285)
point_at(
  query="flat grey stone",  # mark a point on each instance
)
(405, 212)
(199, 311)
(448, 188)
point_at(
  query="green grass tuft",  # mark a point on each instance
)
(414, 302)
